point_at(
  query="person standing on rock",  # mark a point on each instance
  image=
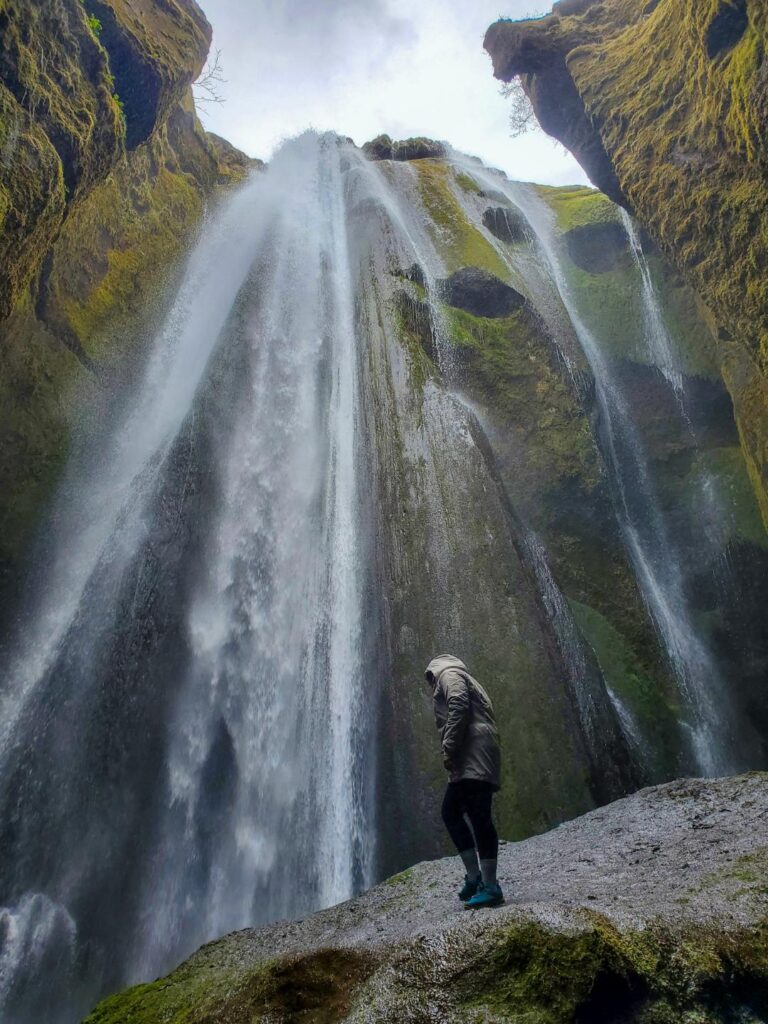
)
(472, 757)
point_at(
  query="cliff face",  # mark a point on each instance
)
(104, 174)
(518, 357)
(665, 104)
(651, 909)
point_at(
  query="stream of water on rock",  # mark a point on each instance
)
(657, 564)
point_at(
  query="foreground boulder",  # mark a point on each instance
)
(652, 909)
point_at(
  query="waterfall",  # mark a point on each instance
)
(660, 346)
(210, 715)
(222, 504)
(657, 564)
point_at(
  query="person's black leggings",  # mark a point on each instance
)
(472, 798)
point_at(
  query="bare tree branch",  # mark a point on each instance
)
(208, 87)
(521, 116)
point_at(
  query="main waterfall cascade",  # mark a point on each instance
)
(210, 713)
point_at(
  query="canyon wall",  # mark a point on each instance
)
(105, 172)
(665, 104)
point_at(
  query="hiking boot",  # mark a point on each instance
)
(471, 885)
(486, 896)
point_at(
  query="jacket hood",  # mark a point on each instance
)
(442, 662)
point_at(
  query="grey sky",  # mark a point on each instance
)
(362, 67)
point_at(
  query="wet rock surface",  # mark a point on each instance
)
(598, 248)
(507, 224)
(480, 293)
(656, 904)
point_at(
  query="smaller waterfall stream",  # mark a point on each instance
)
(656, 563)
(661, 349)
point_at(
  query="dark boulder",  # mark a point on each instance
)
(729, 23)
(506, 223)
(598, 248)
(480, 293)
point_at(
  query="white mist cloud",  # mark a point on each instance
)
(363, 67)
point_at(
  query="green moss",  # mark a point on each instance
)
(467, 183)
(577, 205)
(649, 701)
(412, 324)
(739, 513)
(143, 241)
(458, 241)
(508, 364)
(401, 879)
(749, 872)
(611, 303)
(36, 376)
(316, 988)
(658, 975)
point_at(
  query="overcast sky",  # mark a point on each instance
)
(363, 67)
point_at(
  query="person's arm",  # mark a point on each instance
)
(459, 705)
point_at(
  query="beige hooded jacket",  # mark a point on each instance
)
(464, 715)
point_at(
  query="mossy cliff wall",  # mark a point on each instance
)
(665, 103)
(105, 172)
(521, 368)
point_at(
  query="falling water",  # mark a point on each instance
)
(661, 349)
(189, 723)
(656, 562)
(196, 645)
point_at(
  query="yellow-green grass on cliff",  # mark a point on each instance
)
(458, 241)
(687, 146)
(38, 376)
(577, 205)
(147, 225)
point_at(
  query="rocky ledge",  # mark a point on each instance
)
(653, 909)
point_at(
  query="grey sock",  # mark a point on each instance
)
(471, 865)
(488, 870)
